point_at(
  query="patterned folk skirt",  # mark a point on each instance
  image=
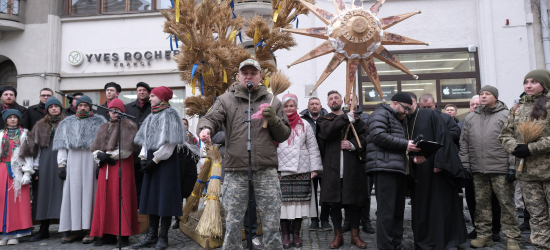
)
(296, 194)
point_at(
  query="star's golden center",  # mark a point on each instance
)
(360, 24)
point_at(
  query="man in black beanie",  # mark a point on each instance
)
(387, 146)
(140, 109)
(112, 90)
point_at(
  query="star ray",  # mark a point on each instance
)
(370, 68)
(336, 60)
(318, 32)
(322, 14)
(393, 20)
(321, 50)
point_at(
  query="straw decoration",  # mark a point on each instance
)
(210, 224)
(530, 132)
(192, 203)
(279, 84)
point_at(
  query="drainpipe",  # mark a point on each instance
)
(545, 33)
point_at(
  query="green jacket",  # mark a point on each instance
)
(480, 149)
(230, 110)
(537, 166)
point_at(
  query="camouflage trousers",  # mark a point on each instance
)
(536, 196)
(484, 186)
(268, 201)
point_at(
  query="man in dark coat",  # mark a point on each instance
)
(311, 114)
(386, 148)
(344, 182)
(8, 95)
(112, 90)
(140, 109)
(437, 219)
(427, 101)
(38, 111)
(71, 110)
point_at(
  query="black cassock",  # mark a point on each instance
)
(437, 219)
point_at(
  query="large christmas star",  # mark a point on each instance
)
(356, 36)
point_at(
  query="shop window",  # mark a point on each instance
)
(450, 75)
(94, 7)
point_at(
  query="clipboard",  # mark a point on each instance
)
(428, 148)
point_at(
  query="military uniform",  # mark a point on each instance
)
(535, 177)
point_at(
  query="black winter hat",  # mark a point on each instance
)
(8, 88)
(145, 85)
(113, 84)
(402, 97)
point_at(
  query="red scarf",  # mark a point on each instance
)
(294, 119)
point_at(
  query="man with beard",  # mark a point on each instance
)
(386, 149)
(38, 111)
(344, 183)
(112, 90)
(311, 114)
(437, 219)
(71, 110)
(140, 109)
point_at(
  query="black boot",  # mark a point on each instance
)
(43, 233)
(177, 223)
(163, 233)
(152, 233)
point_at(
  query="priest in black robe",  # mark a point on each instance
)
(437, 219)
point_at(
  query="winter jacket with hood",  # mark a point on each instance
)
(230, 110)
(386, 141)
(302, 154)
(480, 149)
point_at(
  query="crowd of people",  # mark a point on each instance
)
(407, 147)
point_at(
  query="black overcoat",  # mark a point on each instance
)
(36, 113)
(330, 132)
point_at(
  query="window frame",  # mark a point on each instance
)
(429, 76)
(99, 9)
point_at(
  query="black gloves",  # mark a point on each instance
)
(148, 167)
(521, 151)
(511, 175)
(105, 158)
(62, 172)
(468, 174)
(35, 174)
(143, 163)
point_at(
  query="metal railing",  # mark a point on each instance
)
(10, 7)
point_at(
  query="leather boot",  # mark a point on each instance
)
(43, 233)
(152, 233)
(338, 239)
(356, 239)
(296, 226)
(286, 236)
(162, 243)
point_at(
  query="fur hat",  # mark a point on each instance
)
(52, 100)
(116, 103)
(8, 88)
(163, 93)
(145, 85)
(84, 98)
(113, 84)
(6, 113)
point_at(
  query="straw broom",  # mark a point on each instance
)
(192, 203)
(529, 131)
(210, 224)
(279, 84)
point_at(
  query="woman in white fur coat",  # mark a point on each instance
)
(299, 161)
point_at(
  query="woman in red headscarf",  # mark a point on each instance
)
(106, 151)
(299, 161)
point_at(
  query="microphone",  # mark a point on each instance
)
(61, 93)
(418, 138)
(249, 85)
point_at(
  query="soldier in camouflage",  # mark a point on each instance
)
(492, 167)
(230, 109)
(534, 105)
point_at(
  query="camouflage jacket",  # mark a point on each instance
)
(537, 166)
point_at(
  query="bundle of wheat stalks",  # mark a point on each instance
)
(210, 224)
(530, 132)
(279, 84)
(192, 203)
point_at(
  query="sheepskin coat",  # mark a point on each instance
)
(73, 140)
(165, 127)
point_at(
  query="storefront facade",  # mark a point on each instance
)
(472, 43)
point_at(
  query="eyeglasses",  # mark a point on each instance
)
(46, 96)
(405, 107)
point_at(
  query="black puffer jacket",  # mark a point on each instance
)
(386, 141)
